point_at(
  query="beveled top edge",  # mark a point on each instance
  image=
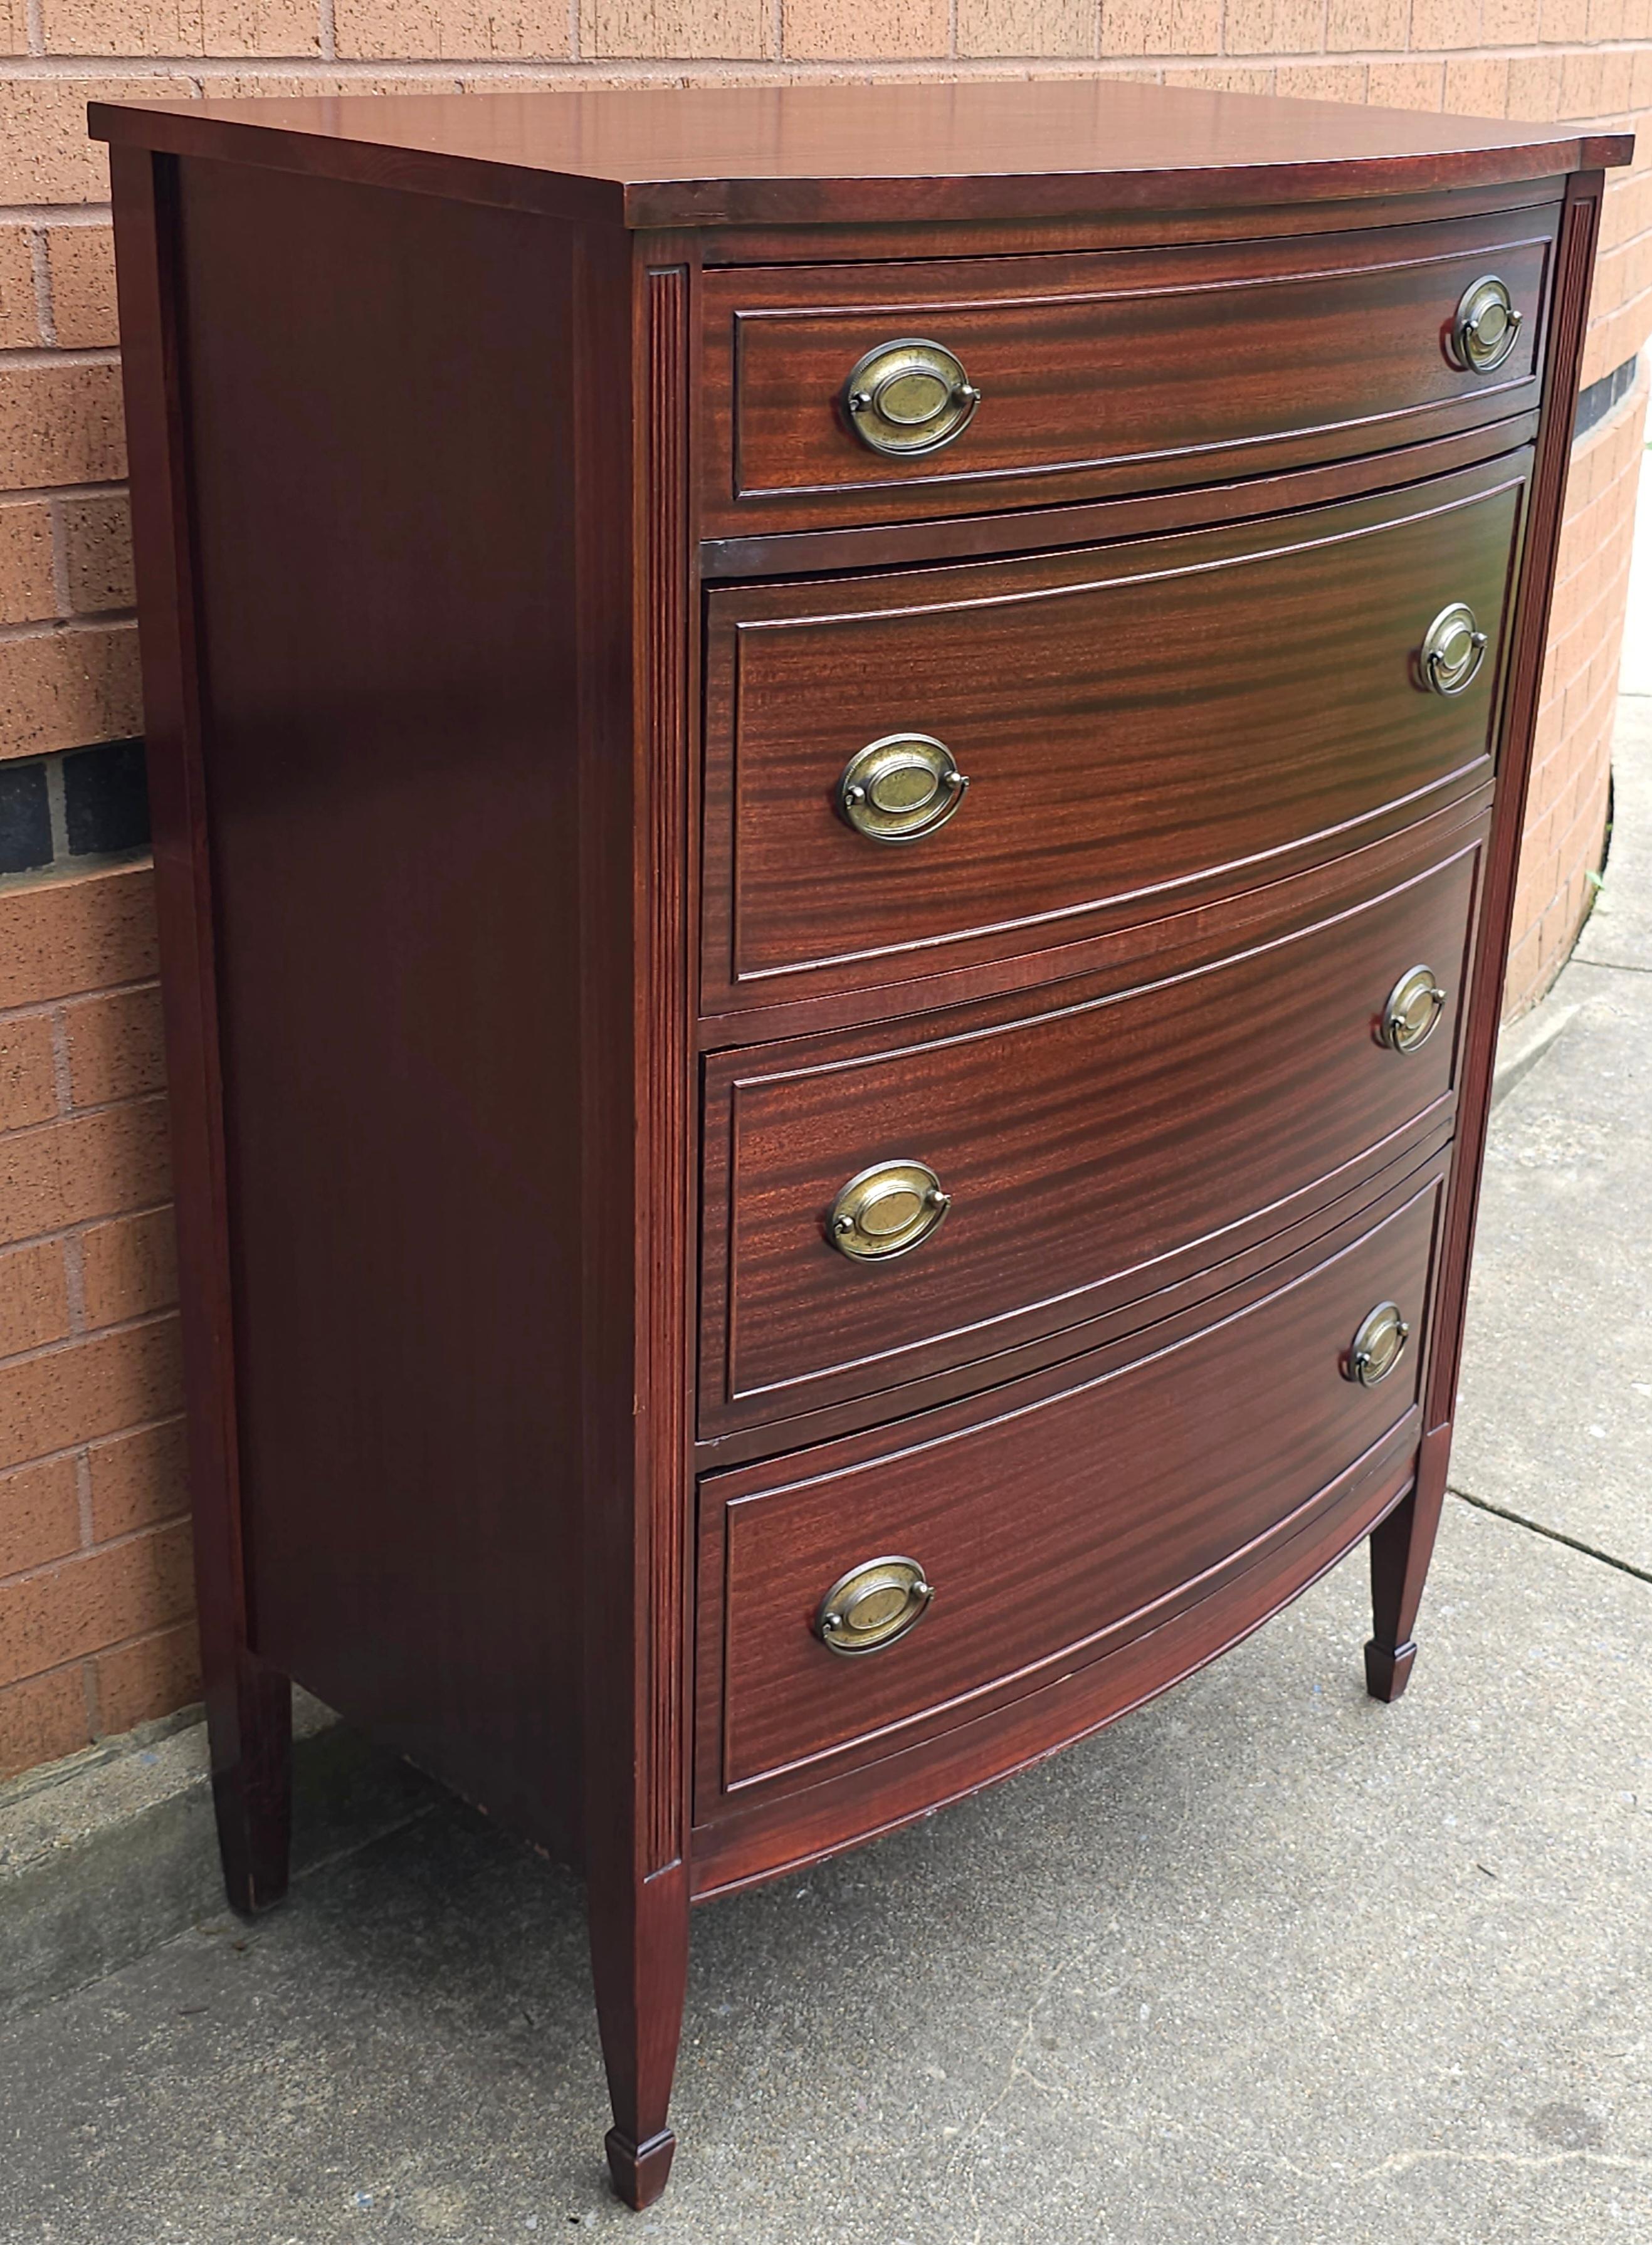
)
(910, 149)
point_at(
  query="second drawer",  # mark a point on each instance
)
(885, 1204)
(1141, 727)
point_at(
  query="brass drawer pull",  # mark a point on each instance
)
(886, 1210)
(873, 1605)
(1453, 649)
(1411, 1011)
(1485, 326)
(900, 788)
(1377, 1346)
(909, 396)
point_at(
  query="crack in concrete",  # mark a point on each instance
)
(1555, 1535)
(1614, 965)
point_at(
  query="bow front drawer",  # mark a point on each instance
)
(859, 1595)
(882, 1204)
(843, 394)
(922, 770)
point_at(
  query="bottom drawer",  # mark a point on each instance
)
(1042, 1527)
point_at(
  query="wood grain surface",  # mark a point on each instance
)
(1127, 370)
(769, 1832)
(1099, 1144)
(1050, 1529)
(390, 815)
(1141, 724)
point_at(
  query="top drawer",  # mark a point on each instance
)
(1106, 372)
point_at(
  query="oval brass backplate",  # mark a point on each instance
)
(873, 1605)
(1453, 649)
(1377, 1346)
(909, 396)
(886, 1210)
(1485, 326)
(900, 788)
(1411, 1010)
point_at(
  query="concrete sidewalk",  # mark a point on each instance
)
(1266, 1961)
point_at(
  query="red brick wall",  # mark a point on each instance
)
(1566, 809)
(94, 1591)
(94, 1633)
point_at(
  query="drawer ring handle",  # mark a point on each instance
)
(900, 788)
(1453, 650)
(1484, 326)
(887, 1210)
(909, 398)
(873, 1605)
(1411, 1011)
(1377, 1346)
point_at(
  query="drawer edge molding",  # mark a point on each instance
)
(1008, 531)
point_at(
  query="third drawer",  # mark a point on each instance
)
(887, 1205)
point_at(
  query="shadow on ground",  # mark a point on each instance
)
(1268, 1961)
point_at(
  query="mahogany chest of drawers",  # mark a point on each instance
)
(836, 780)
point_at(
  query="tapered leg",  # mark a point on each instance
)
(250, 1728)
(640, 1963)
(1401, 1548)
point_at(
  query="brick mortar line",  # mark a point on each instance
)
(77, 1659)
(107, 487)
(90, 1694)
(56, 213)
(103, 620)
(84, 1504)
(75, 1235)
(26, 1575)
(25, 357)
(93, 865)
(31, 1006)
(61, 585)
(95, 1106)
(43, 627)
(28, 1356)
(40, 274)
(79, 1230)
(90, 1442)
(44, 69)
(1551, 1534)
